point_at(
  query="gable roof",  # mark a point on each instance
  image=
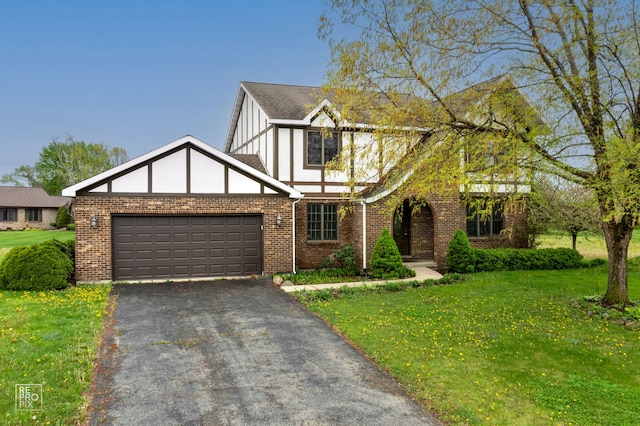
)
(185, 140)
(297, 105)
(281, 103)
(19, 196)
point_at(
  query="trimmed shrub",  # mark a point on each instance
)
(461, 257)
(36, 268)
(508, 259)
(386, 261)
(71, 227)
(63, 218)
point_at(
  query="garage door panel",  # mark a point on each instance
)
(235, 221)
(199, 237)
(181, 237)
(181, 254)
(163, 237)
(144, 238)
(199, 253)
(181, 221)
(250, 252)
(251, 237)
(216, 253)
(163, 222)
(152, 247)
(163, 254)
(234, 252)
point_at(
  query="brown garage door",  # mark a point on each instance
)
(163, 247)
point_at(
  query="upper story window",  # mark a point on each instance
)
(322, 146)
(33, 215)
(485, 225)
(9, 215)
(322, 222)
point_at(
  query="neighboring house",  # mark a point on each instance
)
(264, 205)
(23, 208)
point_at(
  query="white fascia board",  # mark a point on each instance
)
(72, 190)
(382, 194)
(237, 105)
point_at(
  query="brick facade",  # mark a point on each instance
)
(93, 246)
(432, 228)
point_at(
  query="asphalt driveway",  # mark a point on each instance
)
(232, 353)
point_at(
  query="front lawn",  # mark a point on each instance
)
(507, 348)
(10, 239)
(49, 339)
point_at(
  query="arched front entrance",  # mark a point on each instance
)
(413, 231)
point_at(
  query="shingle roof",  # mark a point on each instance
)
(252, 160)
(281, 101)
(17, 196)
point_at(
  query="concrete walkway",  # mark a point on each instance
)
(423, 272)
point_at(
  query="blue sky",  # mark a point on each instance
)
(140, 74)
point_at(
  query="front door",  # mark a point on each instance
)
(402, 228)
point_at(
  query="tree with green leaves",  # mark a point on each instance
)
(64, 163)
(568, 207)
(402, 66)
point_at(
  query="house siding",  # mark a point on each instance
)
(94, 246)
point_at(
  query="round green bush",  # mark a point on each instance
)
(386, 260)
(35, 268)
(461, 257)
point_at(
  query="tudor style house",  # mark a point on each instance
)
(295, 142)
(265, 204)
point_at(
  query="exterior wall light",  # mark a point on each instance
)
(278, 221)
(94, 222)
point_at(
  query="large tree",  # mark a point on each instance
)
(64, 163)
(402, 65)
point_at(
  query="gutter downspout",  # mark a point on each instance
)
(293, 228)
(364, 237)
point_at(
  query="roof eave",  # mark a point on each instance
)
(293, 193)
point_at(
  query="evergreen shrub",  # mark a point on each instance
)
(386, 261)
(461, 257)
(63, 218)
(37, 267)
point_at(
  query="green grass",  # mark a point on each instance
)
(49, 338)
(589, 245)
(10, 239)
(509, 348)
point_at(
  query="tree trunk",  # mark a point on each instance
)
(617, 235)
(574, 239)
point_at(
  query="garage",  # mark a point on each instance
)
(173, 247)
(183, 211)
